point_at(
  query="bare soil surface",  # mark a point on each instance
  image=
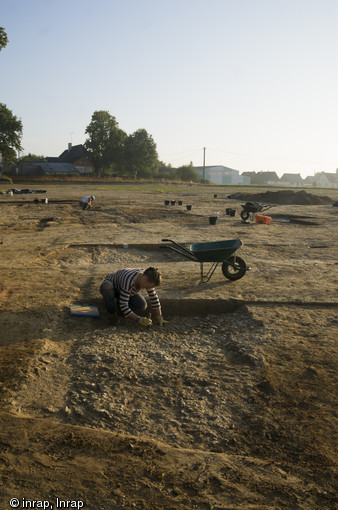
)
(231, 405)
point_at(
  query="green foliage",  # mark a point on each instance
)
(10, 134)
(6, 179)
(116, 154)
(187, 173)
(167, 172)
(32, 157)
(140, 155)
(105, 142)
(183, 173)
(3, 38)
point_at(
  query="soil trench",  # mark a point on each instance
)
(230, 405)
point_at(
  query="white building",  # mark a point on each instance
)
(219, 174)
(326, 180)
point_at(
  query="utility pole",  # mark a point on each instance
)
(203, 163)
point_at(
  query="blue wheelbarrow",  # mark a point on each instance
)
(217, 252)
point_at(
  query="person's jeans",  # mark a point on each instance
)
(136, 302)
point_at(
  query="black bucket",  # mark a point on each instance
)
(215, 196)
(180, 202)
(173, 202)
(212, 220)
(188, 207)
(232, 212)
(167, 202)
(227, 211)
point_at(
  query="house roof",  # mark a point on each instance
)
(29, 167)
(268, 175)
(333, 178)
(57, 167)
(309, 179)
(291, 178)
(73, 154)
(218, 168)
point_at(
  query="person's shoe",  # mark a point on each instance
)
(113, 319)
(111, 307)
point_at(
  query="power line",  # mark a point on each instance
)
(186, 154)
(274, 157)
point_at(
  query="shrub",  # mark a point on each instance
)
(4, 178)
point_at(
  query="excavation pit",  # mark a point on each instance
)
(191, 414)
(289, 218)
(201, 383)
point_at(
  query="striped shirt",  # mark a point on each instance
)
(124, 285)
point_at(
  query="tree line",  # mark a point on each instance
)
(113, 152)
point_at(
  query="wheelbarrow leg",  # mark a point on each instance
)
(206, 278)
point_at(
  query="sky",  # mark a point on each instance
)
(253, 82)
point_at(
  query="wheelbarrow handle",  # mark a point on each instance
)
(184, 252)
(177, 244)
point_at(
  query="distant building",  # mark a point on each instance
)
(268, 177)
(73, 161)
(262, 178)
(291, 180)
(309, 180)
(31, 168)
(326, 180)
(219, 174)
(78, 157)
(250, 176)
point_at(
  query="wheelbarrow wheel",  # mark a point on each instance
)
(245, 215)
(235, 271)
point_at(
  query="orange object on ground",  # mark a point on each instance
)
(263, 219)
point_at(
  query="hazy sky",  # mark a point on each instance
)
(253, 81)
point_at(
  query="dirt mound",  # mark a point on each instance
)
(285, 197)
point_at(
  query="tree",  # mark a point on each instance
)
(32, 157)
(3, 38)
(188, 173)
(141, 158)
(105, 142)
(166, 171)
(10, 134)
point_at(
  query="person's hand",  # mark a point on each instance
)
(160, 321)
(145, 322)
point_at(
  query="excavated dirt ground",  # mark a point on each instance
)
(231, 405)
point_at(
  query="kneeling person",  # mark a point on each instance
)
(124, 286)
(87, 202)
